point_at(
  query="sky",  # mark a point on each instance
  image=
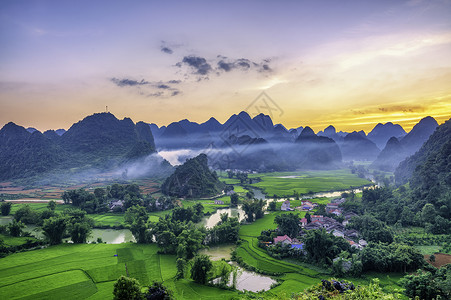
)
(352, 64)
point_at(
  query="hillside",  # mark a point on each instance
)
(429, 168)
(100, 140)
(315, 152)
(358, 147)
(193, 179)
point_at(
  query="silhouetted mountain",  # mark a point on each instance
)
(212, 125)
(357, 147)
(390, 156)
(60, 132)
(193, 179)
(315, 152)
(103, 136)
(23, 154)
(330, 132)
(418, 135)
(434, 153)
(100, 141)
(381, 133)
(51, 134)
(31, 129)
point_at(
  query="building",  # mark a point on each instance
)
(285, 205)
(303, 222)
(115, 204)
(219, 201)
(284, 239)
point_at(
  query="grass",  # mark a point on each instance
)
(428, 249)
(304, 182)
(88, 271)
(15, 241)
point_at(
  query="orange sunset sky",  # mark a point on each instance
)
(351, 64)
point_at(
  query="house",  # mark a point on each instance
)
(219, 201)
(316, 218)
(231, 192)
(116, 204)
(284, 239)
(363, 243)
(336, 212)
(338, 233)
(303, 222)
(285, 205)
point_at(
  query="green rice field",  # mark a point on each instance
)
(89, 272)
(304, 182)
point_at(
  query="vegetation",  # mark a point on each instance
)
(201, 266)
(193, 179)
(283, 184)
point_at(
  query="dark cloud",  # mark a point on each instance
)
(222, 65)
(243, 63)
(174, 81)
(163, 86)
(166, 49)
(199, 64)
(128, 82)
(175, 93)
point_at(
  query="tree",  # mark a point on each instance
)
(157, 291)
(181, 263)
(288, 224)
(126, 288)
(136, 216)
(322, 247)
(428, 213)
(5, 208)
(79, 232)
(272, 205)
(51, 205)
(201, 266)
(54, 229)
(234, 200)
(15, 228)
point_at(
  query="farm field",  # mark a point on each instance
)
(89, 272)
(304, 182)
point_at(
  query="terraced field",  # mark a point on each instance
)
(89, 272)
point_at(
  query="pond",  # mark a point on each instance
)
(213, 219)
(250, 281)
(219, 252)
(109, 236)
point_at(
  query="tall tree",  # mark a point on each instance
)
(288, 224)
(201, 266)
(126, 288)
(54, 229)
(5, 208)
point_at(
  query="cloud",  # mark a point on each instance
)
(166, 49)
(128, 82)
(156, 89)
(198, 64)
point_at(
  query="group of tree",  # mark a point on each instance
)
(72, 222)
(429, 284)
(129, 194)
(126, 288)
(253, 209)
(5, 208)
(225, 231)
(193, 179)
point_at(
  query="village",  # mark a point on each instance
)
(331, 225)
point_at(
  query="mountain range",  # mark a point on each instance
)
(99, 141)
(104, 142)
